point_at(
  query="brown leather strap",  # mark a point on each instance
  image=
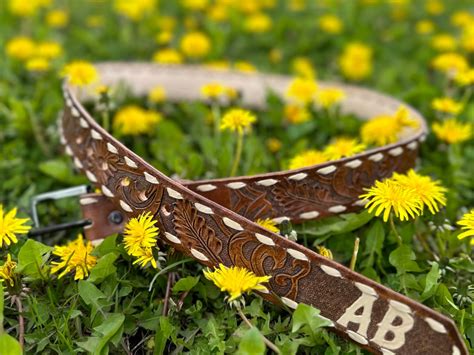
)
(200, 225)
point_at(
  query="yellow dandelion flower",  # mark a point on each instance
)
(75, 257)
(296, 113)
(80, 73)
(303, 68)
(307, 158)
(424, 27)
(429, 191)
(144, 257)
(10, 226)
(140, 233)
(7, 270)
(343, 147)
(245, 66)
(195, 45)
(218, 13)
(466, 40)
(465, 78)
(164, 37)
(134, 10)
(356, 61)
(258, 23)
(467, 224)
(133, 120)
(269, 224)
(447, 105)
(434, 7)
(57, 18)
(380, 130)
(444, 42)
(37, 64)
(167, 56)
(273, 144)
(48, 50)
(387, 196)
(452, 131)
(330, 24)
(236, 280)
(329, 97)
(237, 120)
(402, 116)
(194, 4)
(21, 48)
(212, 90)
(461, 18)
(450, 63)
(24, 8)
(302, 90)
(157, 94)
(327, 253)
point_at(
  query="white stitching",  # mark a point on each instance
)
(206, 187)
(174, 194)
(130, 162)
(400, 306)
(232, 224)
(395, 152)
(172, 238)
(264, 239)
(150, 178)
(125, 206)
(197, 254)
(435, 325)
(376, 157)
(111, 148)
(309, 215)
(366, 289)
(96, 135)
(267, 182)
(357, 337)
(106, 191)
(236, 185)
(202, 208)
(337, 209)
(91, 176)
(297, 177)
(331, 271)
(289, 303)
(354, 163)
(327, 170)
(297, 254)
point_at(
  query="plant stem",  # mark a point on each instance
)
(394, 229)
(354, 254)
(216, 115)
(21, 321)
(265, 340)
(167, 293)
(238, 153)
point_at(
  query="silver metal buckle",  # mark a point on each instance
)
(56, 195)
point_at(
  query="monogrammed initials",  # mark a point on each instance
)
(391, 330)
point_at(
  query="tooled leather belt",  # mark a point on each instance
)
(211, 220)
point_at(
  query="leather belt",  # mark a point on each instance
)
(211, 220)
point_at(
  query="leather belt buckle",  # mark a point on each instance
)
(56, 195)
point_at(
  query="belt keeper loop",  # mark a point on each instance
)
(106, 219)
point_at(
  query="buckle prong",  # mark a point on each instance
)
(56, 195)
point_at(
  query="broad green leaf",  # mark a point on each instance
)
(373, 244)
(111, 325)
(162, 335)
(31, 259)
(60, 170)
(251, 343)
(104, 267)
(91, 295)
(431, 281)
(186, 284)
(403, 258)
(9, 345)
(306, 315)
(108, 245)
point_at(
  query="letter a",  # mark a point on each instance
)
(365, 302)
